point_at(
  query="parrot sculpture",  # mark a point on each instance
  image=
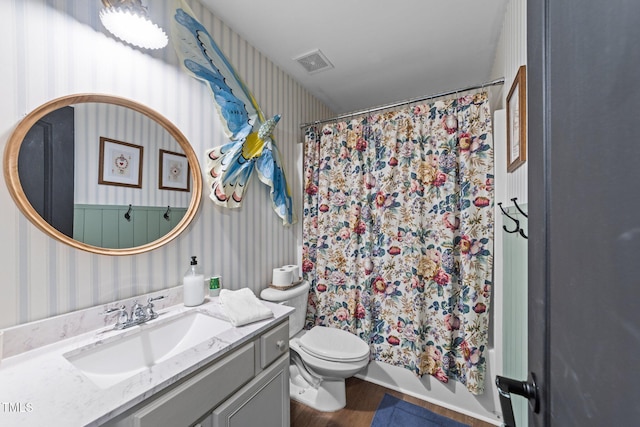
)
(251, 145)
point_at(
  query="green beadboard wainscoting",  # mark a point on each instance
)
(106, 225)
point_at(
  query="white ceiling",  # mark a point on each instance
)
(383, 51)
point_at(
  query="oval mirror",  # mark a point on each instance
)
(103, 174)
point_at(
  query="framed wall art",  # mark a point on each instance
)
(517, 121)
(174, 171)
(120, 163)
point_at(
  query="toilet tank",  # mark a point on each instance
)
(295, 297)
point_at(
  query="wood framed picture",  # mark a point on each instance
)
(517, 121)
(174, 171)
(120, 163)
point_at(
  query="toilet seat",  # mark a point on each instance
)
(327, 369)
(333, 345)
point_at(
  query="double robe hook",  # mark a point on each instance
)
(166, 216)
(517, 228)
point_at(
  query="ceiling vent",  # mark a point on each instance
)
(314, 62)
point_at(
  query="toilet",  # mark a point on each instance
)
(320, 358)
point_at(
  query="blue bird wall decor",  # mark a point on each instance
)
(230, 166)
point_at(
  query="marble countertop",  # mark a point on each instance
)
(40, 387)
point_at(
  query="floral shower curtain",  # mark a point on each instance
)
(398, 234)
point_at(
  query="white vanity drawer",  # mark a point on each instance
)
(186, 403)
(274, 344)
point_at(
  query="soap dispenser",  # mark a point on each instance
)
(193, 285)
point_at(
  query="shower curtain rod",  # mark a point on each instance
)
(495, 82)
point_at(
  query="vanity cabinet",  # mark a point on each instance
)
(248, 386)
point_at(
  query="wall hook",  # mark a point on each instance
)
(166, 214)
(127, 215)
(518, 229)
(511, 218)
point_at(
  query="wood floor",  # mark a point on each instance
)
(363, 399)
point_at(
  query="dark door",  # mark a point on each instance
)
(584, 210)
(46, 168)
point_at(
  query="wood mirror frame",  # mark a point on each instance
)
(12, 178)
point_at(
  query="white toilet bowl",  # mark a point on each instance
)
(326, 357)
(320, 358)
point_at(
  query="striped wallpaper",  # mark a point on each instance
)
(513, 54)
(53, 48)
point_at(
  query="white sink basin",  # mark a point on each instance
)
(112, 361)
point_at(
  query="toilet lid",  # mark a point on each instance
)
(333, 344)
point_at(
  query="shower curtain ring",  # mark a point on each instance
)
(451, 120)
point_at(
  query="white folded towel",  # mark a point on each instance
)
(242, 307)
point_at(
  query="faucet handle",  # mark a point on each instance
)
(123, 317)
(155, 298)
(151, 314)
(113, 310)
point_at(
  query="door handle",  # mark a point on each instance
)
(528, 389)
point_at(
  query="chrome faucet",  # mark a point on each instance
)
(139, 314)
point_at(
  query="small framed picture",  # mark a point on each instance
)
(517, 121)
(120, 163)
(174, 171)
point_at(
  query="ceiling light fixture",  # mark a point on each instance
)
(128, 20)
